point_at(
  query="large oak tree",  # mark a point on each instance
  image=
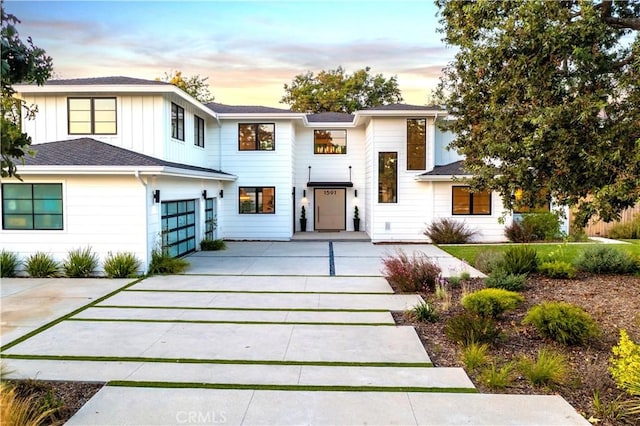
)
(546, 96)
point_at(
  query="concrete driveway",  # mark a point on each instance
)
(261, 333)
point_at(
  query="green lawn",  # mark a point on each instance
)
(567, 252)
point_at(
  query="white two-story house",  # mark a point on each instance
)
(125, 164)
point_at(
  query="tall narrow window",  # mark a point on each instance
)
(91, 116)
(330, 141)
(198, 131)
(387, 177)
(256, 137)
(210, 220)
(32, 206)
(257, 200)
(177, 122)
(465, 202)
(416, 144)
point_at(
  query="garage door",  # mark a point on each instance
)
(179, 227)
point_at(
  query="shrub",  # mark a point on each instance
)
(506, 281)
(410, 273)
(549, 368)
(474, 355)
(212, 245)
(519, 260)
(19, 410)
(424, 312)
(557, 269)
(534, 227)
(605, 259)
(8, 264)
(163, 264)
(80, 263)
(517, 232)
(491, 302)
(467, 328)
(488, 261)
(449, 231)
(563, 322)
(624, 365)
(495, 377)
(121, 265)
(627, 230)
(41, 265)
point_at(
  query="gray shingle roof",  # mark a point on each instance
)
(245, 109)
(403, 107)
(103, 80)
(451, 169)
(90, 152)
(330, 117)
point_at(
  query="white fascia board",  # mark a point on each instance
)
(123, 170)
(332, 125)
(265, 116)
(440, 178)
(363, 115)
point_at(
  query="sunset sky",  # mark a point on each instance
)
(248, 49)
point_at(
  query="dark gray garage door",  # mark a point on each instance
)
(179, 227)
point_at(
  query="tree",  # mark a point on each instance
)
(195, 85)
(547, 100)
(21, 63)
(336, 91)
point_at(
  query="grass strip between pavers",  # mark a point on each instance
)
(96, 358)
(314, 388)
(67, 316)
(387, 293)
(180, 321)
(218, 308)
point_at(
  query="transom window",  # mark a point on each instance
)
(257, 200)
(466, 202)
(256, 136)
(387, 177)
(416, 144)
(198, 131)
(177, 122)
(35, 206)
(330, 141)
(91, 116)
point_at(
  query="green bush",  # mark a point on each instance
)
(606, 260)
(424, 312)
(557, 269)
(488, 261)
(624, 365)
(626, 230)
(519, 260)
(506, 281)
(491, 302)
(467, 328)
(517, 232)
(212, 245)
(474, 355)
(449, 231)
(80, 263)
(41, 265)
(415, 273)
(163, 264)
(549, 368)
(495, 377)
(563, 322)
(9, 264)
(121, 265)
(534, 227)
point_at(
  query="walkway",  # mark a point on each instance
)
(264, 333)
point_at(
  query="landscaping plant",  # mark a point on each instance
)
(121, 265)
(505, 280)
(563, 322)
(557, 269)
(163, 264)
(488, 261)
(625, 369)
(212, 245)
(16, 410)
(474, 355)
(495, 377)
(424, 312)
(549, 368)
(41, 265)
(449, 231)
(467, 328)
(604, 259)
(519, 260)
(491, 302)
(409, 274)
(80, 263)
(626, 230)
(9, 264)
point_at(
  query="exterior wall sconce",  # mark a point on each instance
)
(204, 194)
(355, 193)
(156, 196)
(304, 193)
(221, 193)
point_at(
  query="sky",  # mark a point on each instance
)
(247, 49)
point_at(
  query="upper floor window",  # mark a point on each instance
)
(471, 203)
(330, 141)
(198, 131)
(32, 206)
(256, 136)
(416, 144)
(254, 200)
(91, 116)
(177, 122)
(387, 177)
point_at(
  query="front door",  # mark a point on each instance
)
(330, 209)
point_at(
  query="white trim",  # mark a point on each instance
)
(125, 170)
(439, 178)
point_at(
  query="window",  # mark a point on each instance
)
(210, 221)
(91, 116)
(257, 200)
(177, 122)
(330, 141)
(473, 203)
(256, 137)
(387, 177)
(32, 206)
(540, 202)
(416, 144)
(198, 131)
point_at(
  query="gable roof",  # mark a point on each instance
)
(444, 172)
(103, 80)
(245, 109)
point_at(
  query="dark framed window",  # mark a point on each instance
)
(329, 141)
(256, 136)
(35, 206)
(198, 131)
(177, 122)
(465, 202)
(91, 116)
(257, 200)
(387, 177)
(416, 144)
(210, 221)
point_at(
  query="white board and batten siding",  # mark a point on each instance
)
(257, 169)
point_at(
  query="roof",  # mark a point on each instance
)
(102, 81)
(450, 169)
(330, 117)
(90, 152)
(245, 109)
(404, 107)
